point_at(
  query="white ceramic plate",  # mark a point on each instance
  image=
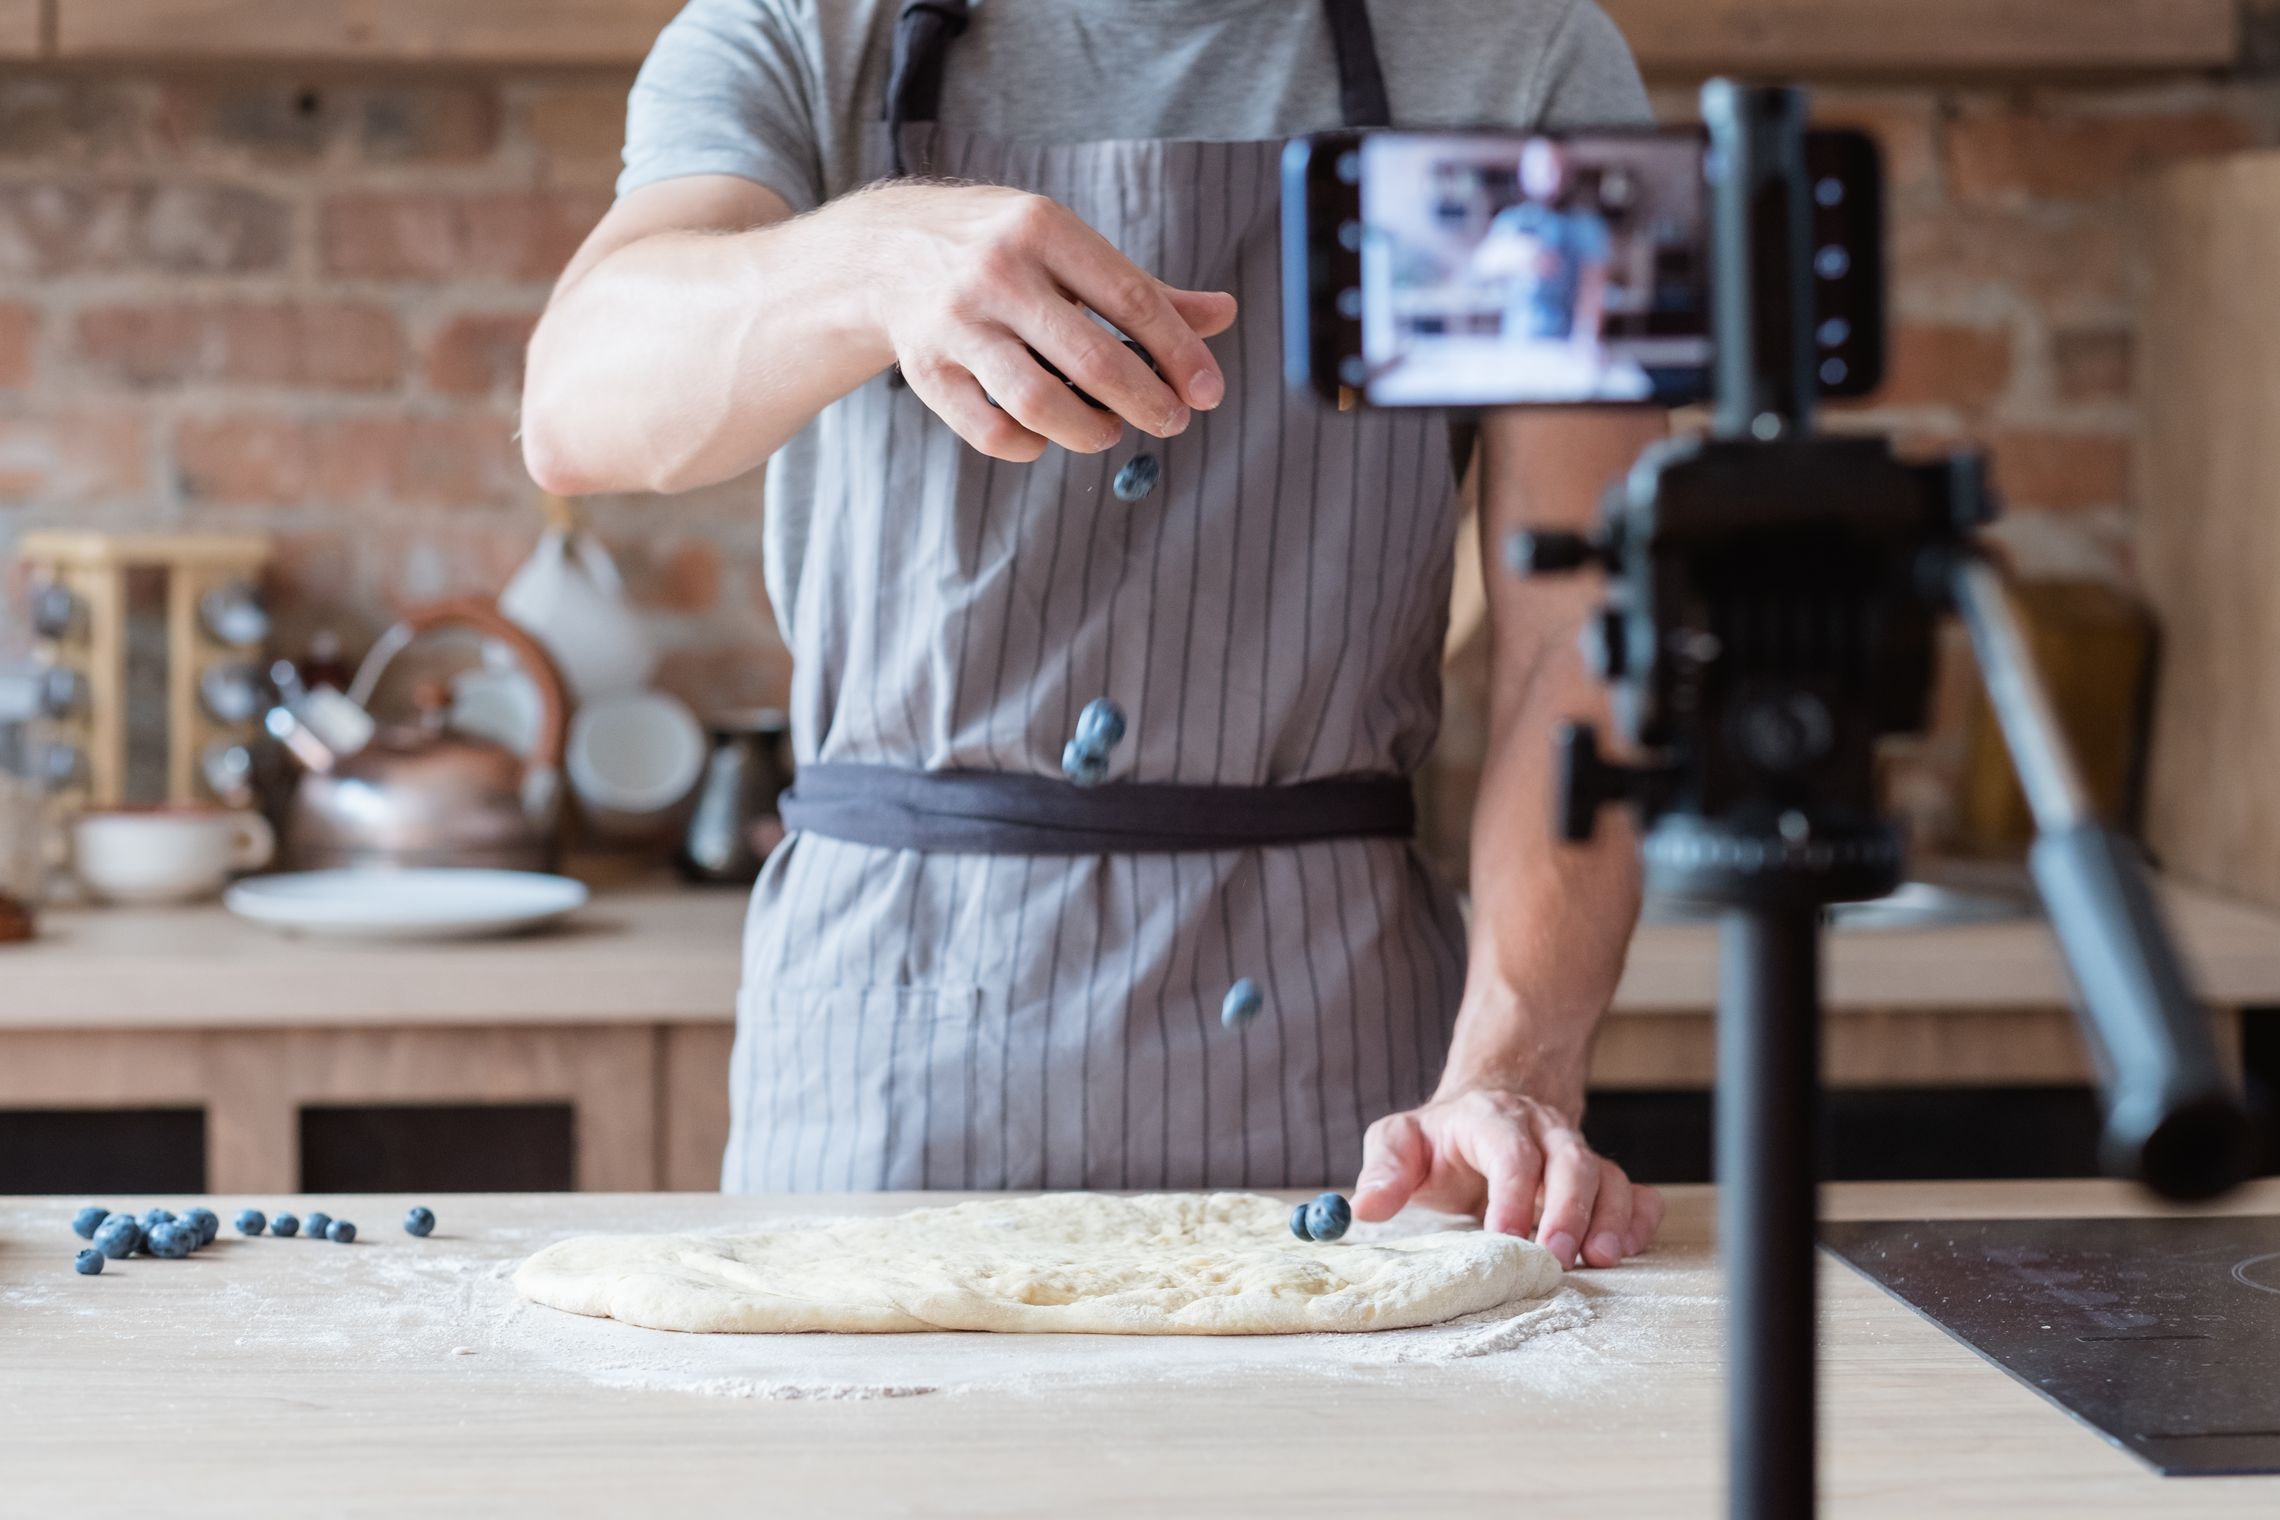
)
(373, 903)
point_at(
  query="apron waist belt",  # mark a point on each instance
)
(989, 813)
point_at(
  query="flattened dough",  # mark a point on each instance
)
(1160, 1264)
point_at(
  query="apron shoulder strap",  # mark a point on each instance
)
(1362, 100)
(924, 30)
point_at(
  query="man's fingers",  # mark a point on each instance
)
(1090, 268)
(1512, 1168)
(1395, 1163)
(956, 397)
(1209, 312)
(1605, 1240)
(1104, 369)
(1646, 1217)
(1571, 1186)
(1046, 406)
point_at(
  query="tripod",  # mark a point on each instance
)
(1773, 600)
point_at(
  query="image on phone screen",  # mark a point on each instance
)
(1498, 269)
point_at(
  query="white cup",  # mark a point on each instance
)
(633, 760)
(166, 853)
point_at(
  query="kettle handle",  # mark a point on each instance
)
(485, 619)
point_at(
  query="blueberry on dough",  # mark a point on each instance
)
(285, 1225)
(1329, 1216)
(88, 1263)
(317, 1224)
(419, 1221)
(251, 1222)
(1083, 765)
(120, 1237)
(1243, 1003)
(87, 1221)
(341, 1231)
(1298, 1221)
(206, 1222)
(1101, 725)
(171, 1240)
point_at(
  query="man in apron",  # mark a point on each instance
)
(849, 235)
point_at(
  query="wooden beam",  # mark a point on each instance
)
(21, 28)
(546, 32)
(1674, 38)
(1813, 37)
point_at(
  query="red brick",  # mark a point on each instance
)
(330, 346)
(2012, 154)
(428, 123)
(433, 236)
(350, 462)
(685, 579)
(2066, 265)
(1905, 125)
(480, 353)
(1933, 364)
(68, 119)
(2061, 472)
(74, 458)
(2092, 365)
(282, 120)
(747, 672)
(580, 124)
(19, 330)
(175, 228)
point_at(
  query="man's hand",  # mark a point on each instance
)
(972, 282)
(1517, 1163)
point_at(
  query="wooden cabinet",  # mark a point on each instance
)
(1674, 38)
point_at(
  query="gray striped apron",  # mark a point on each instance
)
(935, 1002)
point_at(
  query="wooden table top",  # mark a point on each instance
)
(656, 953)
(397, 1376)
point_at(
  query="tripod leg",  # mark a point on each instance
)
(1768, 1090)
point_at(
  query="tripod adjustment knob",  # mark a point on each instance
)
(1604, 645)
(1550, 551)
(1588, 782)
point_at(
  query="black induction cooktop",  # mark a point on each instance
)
(2163, 1334)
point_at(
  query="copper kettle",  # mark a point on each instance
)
(421, 794)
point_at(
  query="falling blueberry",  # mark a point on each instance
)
(1329, 1216)
(251, 1222)
(317, 1224)
(1137, 478)
(1101, 725)
(1083, 765)
(1244, 1002)
(87, 1221)
(419, 1221)
(285, 1225)
(206, 1222)
(341, 1232)
(171, 1240)
(120, 1237)
(88, 1263)
(1298, 1221)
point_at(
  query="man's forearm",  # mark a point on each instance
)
(687, 358)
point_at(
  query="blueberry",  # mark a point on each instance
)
(419, 1221)
(1329, 1216)
(1137, 478)
(88, 1263)
(207, 1223)
(171, 1240)
(1083, 765)
(285, 1225)
(1243, 1003)
(340, 1231)
(1298, 1221)
(1101, 725)
(87, 1221)
(316, 1224)
(251, 1222)
(120, 1237)
(152, 1218)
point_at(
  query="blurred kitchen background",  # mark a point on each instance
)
(267, 269)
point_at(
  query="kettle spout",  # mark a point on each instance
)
(321, 729)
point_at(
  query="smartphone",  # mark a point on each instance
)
(1500, 268)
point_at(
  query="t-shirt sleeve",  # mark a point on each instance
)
(728, 89)
(1588, 77)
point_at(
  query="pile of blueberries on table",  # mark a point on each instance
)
(1326, 1217)
(160, 1233)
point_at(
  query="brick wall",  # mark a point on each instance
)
(300, 304)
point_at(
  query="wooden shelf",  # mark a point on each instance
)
(1674, 38)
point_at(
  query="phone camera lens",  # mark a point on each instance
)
(1834, 332)
(1832, 262)
(1833, 371)
(1350, 168)
(1350, 303)
(1829, 192)
(1352, 370)
(1350, 236)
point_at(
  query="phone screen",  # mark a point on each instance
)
(1502, 270)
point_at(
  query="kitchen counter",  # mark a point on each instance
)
(625, 1017)
(399, 1376)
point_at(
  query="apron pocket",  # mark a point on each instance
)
(855, 1089)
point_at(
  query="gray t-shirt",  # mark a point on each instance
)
(780, 92)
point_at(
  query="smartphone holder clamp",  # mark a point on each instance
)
(1774, 597)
